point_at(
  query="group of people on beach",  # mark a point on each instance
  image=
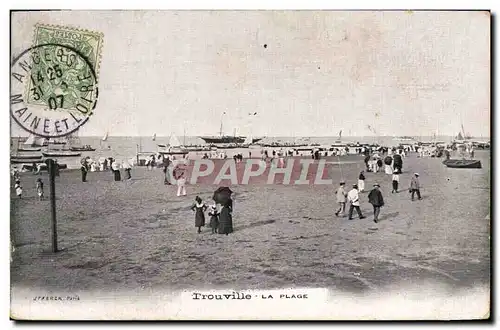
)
(221, 219)
(108, 164)
(375, 196)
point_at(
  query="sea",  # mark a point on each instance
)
(127, 147)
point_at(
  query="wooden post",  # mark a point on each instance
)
(51, 167)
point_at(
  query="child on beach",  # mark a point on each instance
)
(19, 189)
(39, 188)
(395, 182)
(214, 217)
(361, 181)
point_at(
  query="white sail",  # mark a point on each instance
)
(154, 137)
(105, 137)
(30, 141)
(248, 140)
(174, 141)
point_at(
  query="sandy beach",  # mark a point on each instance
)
(138, 235)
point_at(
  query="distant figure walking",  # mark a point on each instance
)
(39, 188)
(341, 199)
(376, 199)
(179, 175)
(379, 164)
(415, 187)
(361, 181)
(226, 218)
(84, 169)
(116, 171)
(214, 218)
(395, 182)
(199, 207)
(127, 168)
(18, 189)
(353, 197)
(166, 170)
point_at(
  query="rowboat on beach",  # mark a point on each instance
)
(462, 163)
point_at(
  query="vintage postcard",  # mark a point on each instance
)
(250, 165)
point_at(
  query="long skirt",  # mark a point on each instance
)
(225, 221)
(388, 169)
(117, 174)
(199, 218)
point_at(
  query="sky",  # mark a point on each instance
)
(305, 73)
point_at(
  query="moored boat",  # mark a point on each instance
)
(28, 149)
(20, 157)
(462, 163)
(62, 153)
(84, 148)
(26, 161)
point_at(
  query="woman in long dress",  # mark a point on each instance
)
(199, 207)
(116, 171)
(226, 218)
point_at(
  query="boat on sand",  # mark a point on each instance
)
(462, 163)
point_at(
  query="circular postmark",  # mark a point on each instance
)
(53, 90)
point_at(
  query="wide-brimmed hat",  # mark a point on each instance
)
(355, 185)
(376, 185)
(417, 174)
(342, 182)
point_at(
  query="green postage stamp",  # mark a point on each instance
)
(54, 84)
(66, 76)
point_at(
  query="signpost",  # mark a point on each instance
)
(52, 168)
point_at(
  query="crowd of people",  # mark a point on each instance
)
(375, 197)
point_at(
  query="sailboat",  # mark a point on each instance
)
(340, 137)
(30, 158)
(29, 145)
(154, 137)
(76, 144)
(174, 147)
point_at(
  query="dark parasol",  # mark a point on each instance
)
(388, 160)
(222, 195)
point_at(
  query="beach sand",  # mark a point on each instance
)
(138, 235)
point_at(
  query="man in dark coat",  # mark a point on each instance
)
(377, 200)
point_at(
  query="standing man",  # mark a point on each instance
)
(375, 198)
(353, 197)
(341, 198)
(415, 187)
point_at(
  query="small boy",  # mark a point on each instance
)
(395, 182)
(39, 188)
(19, 189)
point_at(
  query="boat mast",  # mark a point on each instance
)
(221, 119)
